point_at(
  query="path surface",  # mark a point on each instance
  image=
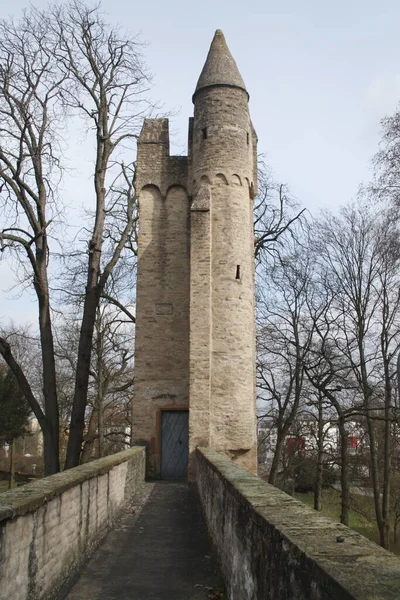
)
(164, 554)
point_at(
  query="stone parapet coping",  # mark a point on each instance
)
(31, 496)
(343, 562)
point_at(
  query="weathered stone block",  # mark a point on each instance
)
(48, 527)
(272, 547)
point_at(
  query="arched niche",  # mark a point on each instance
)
(150, 202)
(175, 243)
(151, 189)
(173, 188)
(220, 179)
(176, 208)
(236, 179)
(150, 206)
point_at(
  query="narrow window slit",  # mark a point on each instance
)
(248, 139)
(204, 132)
(237, 272)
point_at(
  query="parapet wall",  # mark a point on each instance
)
(272, 547)
(47, 528)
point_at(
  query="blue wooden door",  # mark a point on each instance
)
(174, 444)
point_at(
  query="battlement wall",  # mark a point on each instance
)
(272, 547)
(48, 527)
(155, 165)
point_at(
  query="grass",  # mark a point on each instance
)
(362, 513)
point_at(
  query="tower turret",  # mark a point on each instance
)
(222, 335)
(220, 68)
(222, 136)
(195, 339)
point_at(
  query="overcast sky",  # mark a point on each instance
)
(320, 76)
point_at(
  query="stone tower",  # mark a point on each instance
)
(195, 334)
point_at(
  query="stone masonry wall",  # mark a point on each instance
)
(221, 162)
(47, 528)
(162, 333)
(233, 403)
(272, 547)
(228, 147)
(162, 308)
(200, 325)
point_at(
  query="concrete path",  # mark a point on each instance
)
(163, 554)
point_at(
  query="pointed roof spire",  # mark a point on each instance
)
(220, 67)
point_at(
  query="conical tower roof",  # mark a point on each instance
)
(220, 67)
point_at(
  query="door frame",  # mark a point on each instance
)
(183, 408)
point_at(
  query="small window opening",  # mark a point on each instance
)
(237, 272)
(248, 139)
(204, 132)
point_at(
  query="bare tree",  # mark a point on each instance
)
(326, 368)
(30, 117)
(284, 338)
(388, 289)
(112, 373)
(328, 375)
(67, 61)
(386, 184)
(276, 214)
(359, 256)
(108, 85)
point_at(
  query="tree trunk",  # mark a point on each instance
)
(277, 458)
(92, 298)
(91, 437)
(51, 446)
(11, 483)
(77, 424)
(318, 485)
(320, 457)
(101, 424)
(372, 447)
(375, 482)
(344, 473)
(386, 457)
(100, 383)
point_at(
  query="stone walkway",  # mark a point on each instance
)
(163, 554)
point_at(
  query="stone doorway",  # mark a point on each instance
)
(174, 444)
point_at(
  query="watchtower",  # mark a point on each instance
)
(195, 334)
